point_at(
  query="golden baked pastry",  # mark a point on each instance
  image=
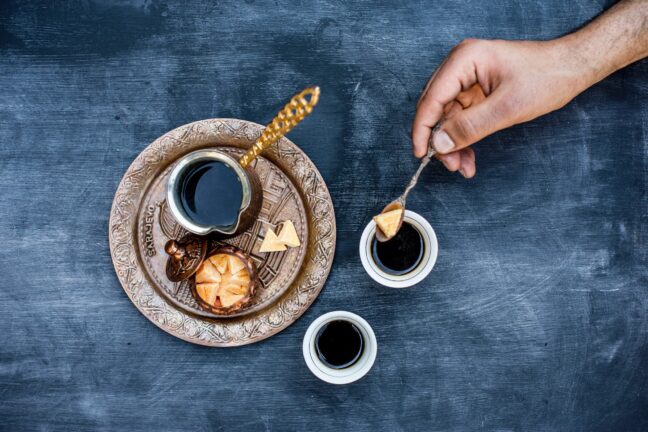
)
(225, 280)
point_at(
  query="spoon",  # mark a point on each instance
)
(399, 203)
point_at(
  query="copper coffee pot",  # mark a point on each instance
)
(300, 106)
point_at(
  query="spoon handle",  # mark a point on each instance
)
(426, 160)
(294, 112)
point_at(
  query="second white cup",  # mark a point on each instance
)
(349, 374)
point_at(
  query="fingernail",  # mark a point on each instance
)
(462, 172)
(442, 142)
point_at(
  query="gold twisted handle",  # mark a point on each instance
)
(294, 112)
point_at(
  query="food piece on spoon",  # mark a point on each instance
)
(271, 243)
(288, 234)
(388, 222)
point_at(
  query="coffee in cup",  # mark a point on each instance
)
(402, 253)
(339, 347)
(404, 260)
(339, 344)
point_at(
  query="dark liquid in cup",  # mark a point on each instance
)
(211, 193)
(402, 253)
(339, 344)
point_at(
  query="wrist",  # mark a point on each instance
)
(578, 61)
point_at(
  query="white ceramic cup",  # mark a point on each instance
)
(431, 250)
(353, 372)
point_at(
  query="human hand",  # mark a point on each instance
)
(487, 85)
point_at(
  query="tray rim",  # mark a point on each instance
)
(176, 136)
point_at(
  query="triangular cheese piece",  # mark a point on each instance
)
(288, 234)
(271, 243)
(388, 222)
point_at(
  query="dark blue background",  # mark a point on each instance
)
(535, 317)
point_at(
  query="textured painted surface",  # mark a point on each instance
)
(535, 318)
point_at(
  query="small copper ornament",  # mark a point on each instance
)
(185, 256)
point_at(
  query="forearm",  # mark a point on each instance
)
(613, 40)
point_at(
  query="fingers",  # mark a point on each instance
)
(455, 74)
(474, 123)
(462, 161)
(451, 109)
(472, 96)
(429, 83)
(468, 167)
(452, 161)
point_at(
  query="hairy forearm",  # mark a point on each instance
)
(518, 81)
(613, 40)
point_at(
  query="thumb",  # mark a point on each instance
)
(468, 126)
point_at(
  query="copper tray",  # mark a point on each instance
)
(140, 225)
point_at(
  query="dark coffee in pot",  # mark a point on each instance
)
(211, 193)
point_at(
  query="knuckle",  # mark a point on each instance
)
(463, 46)
(465, 129)
(472, 47)
(468, 42)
